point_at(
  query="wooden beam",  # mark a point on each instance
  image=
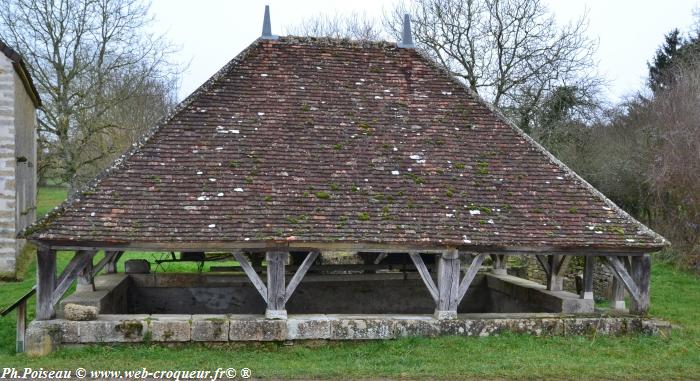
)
(563, 265)
(641, 273)
(112, 264)
(448, 285)
(617, 296)
(425, 275)
(428, 247)
(499, 264)
(108, 257)
(469, 276)
(21, 326)
(300, 273)
(70, 273)
(588, 271)
(252, 275)
(86, 279)
(618, 267)
(276, 289)
(45, 283)
(554, 281)
(380, 258)
(542, 260)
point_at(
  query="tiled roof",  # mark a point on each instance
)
(314, 140)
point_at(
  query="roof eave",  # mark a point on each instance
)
(425, 247)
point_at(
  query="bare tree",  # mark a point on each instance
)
(674, 118)
(511, 52)
(89, 58)
(354, 26)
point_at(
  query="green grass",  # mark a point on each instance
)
(675, 297)
(48, 198)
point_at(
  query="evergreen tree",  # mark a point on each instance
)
(675, 51)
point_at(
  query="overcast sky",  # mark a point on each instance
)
(211, 32)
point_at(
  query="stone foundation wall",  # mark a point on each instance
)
(43, 337)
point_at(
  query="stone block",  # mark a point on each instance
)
(80, 313)
(361, 329)
(257, 329)
(416, 327)
(107, 330)
(42, 338)
(210, 328)
(308, 327)
(655, 327)
(69, 331)
(170, 328)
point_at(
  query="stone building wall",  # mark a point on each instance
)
(17, 165)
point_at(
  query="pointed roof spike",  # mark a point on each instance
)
(406, 37)
(267, 26)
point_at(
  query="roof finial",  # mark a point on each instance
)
(406, 38)
(267, 26)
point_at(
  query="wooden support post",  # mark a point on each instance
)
(276, 288)
(554, 281)
(499, 264)
(448, 285)
(112, 259)
(641, 273)
(21, 325)
(588, 270)
(634, 273)
(617, 295)
(86, 280)
(45, 283)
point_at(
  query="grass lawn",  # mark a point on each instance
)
(675, 297)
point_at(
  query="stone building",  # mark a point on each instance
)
(19, 101)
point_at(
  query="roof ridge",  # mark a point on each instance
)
(553, 159)
(335, 41)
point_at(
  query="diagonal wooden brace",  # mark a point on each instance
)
(425, 275)
(80, 260)
(469, 276)
(252, 275)
(300, 273)
(618, 267)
